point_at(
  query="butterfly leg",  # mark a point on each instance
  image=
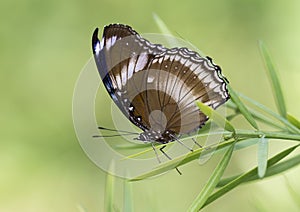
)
(152, 144)
(182, 143)
(161, 149)
(197, 143)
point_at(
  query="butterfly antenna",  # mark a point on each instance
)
(114, 130)
(120, 133)
(109, 136)
(197, 143)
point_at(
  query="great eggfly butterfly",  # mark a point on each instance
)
(156, 87)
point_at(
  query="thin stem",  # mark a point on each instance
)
(274, 135)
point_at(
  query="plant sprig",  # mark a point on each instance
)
(283, 126)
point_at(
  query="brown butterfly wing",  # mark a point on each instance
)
(156, 87)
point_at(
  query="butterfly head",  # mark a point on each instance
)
(157, 136)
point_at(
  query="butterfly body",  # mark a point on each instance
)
(156, 87)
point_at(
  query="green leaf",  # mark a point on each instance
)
(283, 166)
(216, 117)
(243, 136)
(290, 126)
(176, 162)
(81, 208)
(246, 143)
(161, 25)
(293, 193)
(293, 120)
(109, 189)
(258, 204)
(277, 92)
(186, 158)
(128, 202)
(230, 183)
(170, 40)
(253, 172)
(262, 156)
(258, 116)
(264, 119)
(212, 182)
(242, 108)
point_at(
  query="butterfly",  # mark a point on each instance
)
(156, 87)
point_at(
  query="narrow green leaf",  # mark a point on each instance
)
(264, 119)
(258, 116)
(283, 166)
(290, 126)
(170, 40)
(186, 158)
(293, 193)
(230, 183)
(81, 208)
(216, 117)
(242, 108)
(277, 92)
(253, 172)
(246, 143)
(293, 120)
(109, 190)
(241, 134)
(212, 182)
(262, 156)
(176, 162)
(161, 25)
(259, 205)
(128, 202)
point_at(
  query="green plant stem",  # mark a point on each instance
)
(240, 135)
(273, 135)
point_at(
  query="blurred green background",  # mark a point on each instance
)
(45, 44)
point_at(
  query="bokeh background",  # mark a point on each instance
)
(45, 44)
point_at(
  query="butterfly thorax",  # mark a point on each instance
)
(157, 136)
